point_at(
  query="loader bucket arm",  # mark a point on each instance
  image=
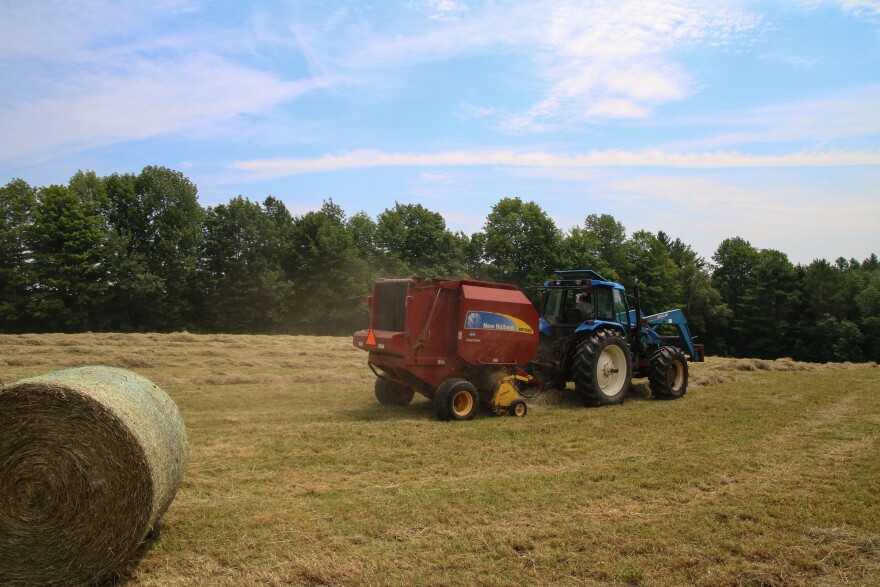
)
(677, 319)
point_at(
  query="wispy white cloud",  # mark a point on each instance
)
(444, 10)
(148, 99)
(81, 76)
(695, 193)
(708, 207)
(362, 159)
(861, 8)
(472, 111)
(843, 115)
(603, 60)
(590, 59)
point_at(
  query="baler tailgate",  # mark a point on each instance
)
(382, 341)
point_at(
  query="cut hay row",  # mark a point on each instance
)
(226, 360)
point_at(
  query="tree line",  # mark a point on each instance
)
(137, 252)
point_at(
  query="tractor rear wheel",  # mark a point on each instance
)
(392, 393)
(668, 376)
(602, 368)
(456, 399)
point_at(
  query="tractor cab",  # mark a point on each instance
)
(560, 314)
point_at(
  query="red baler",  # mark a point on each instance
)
(459, 343)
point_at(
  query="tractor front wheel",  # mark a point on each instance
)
(668, 376)
(456, 399)
(392, 393)
(602, 368)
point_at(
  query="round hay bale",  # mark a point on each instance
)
(90, 459)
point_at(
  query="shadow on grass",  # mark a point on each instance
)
(124, 575)
(638, 391)
(421, 409)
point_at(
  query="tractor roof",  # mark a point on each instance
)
(579, 274)
(579, 278)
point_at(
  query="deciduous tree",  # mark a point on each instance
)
(330, 279)
(659, 277)
(157, 221)
(241, 274)
(521, 242)
(419, 238)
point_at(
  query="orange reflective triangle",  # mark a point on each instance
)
(371, 338)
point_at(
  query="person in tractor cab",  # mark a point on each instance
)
(585, 305)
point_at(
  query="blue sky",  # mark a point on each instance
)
(702, 119)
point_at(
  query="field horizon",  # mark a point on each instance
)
(765, 473)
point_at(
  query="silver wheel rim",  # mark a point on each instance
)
(611, 370)
(676, 376)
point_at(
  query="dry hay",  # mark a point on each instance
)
(90, 459)
(235, 379)
(719, 370)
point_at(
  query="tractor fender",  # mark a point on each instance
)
(593, 325)
(544, 327)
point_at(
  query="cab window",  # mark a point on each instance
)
(604, 304)
(621, 310)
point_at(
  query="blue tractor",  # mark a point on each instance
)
(589, 335)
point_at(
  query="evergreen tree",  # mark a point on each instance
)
(868, 301)
(766, 324)
(734, 261)
(364, 230)
(610, 240)
(134, 288)
(17, 200)
(706, 312)
(68, 239)
(581, 250)
(823, 289)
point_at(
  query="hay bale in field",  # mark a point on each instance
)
(90, 459)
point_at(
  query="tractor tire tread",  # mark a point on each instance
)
(392, 393)
(585, 355)
(662, 361)
(443, 397)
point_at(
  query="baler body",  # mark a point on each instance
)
(423, 333)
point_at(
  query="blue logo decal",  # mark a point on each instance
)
(474, 320)
(493, 321)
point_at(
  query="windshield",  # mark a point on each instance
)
(560, 304)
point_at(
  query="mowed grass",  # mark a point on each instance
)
(765, 473)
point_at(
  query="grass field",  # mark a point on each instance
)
(765, 473)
